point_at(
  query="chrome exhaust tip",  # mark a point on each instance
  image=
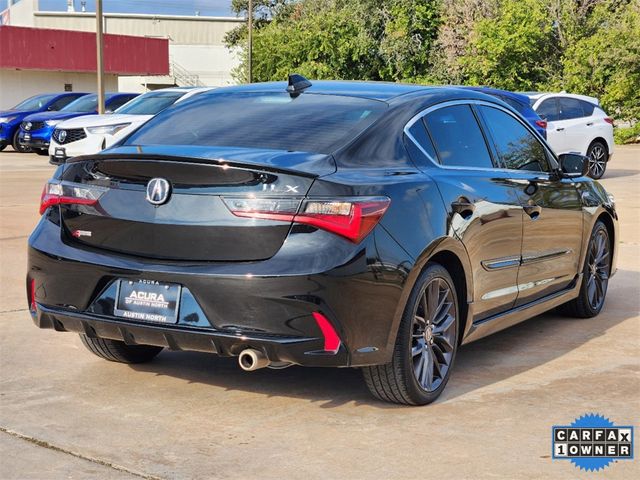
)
(251, 359)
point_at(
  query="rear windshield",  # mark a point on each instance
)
(307, 123)
(150, 103)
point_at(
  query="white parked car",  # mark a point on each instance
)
(93, 133)
(576, 123)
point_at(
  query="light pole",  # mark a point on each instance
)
(99, 57)
(250, 41)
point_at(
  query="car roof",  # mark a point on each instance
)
(520, 97)
(539, 95)
(396, 93)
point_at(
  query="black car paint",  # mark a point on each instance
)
(362, 288)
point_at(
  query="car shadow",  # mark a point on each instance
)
(616, 173)
(480, 364)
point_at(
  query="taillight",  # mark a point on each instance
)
(350, 218)
(608, 120)
(541, 123)
(58, 193)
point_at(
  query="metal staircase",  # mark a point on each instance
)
(183, 77)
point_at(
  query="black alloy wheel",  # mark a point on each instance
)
(596, 272)
(426, 345)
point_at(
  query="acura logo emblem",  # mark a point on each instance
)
(158, 191)
(62, 135)
(28, 126)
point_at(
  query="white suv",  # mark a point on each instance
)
(92, 133)
(576, 123)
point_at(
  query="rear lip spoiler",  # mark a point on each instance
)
(195, 160)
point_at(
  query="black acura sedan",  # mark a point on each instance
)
(343, 224)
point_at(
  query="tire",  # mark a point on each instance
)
(595, 278)
(3, 146)
(118, 351)
(425, 351)
(17, 146)
(42, 152)
(598, 154)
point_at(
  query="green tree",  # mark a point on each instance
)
(515, 50)
(606, 63)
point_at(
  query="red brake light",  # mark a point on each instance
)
(350, 218)
(55, 193)
(541, 123)
(608, 120)
(331, 338)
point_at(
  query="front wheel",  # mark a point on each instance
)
(118, 351)
(17, 146)
(426, 345)
(597, 154)
(2, 146)
(595, 276)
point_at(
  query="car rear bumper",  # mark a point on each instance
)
(296, 350)
(228, 306)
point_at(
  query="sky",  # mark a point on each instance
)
(164, 7)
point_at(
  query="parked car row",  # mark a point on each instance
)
(65, 125)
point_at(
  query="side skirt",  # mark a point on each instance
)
(507, 319)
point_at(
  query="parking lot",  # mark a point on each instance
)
(65, 412)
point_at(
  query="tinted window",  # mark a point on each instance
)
(548, 110)
(34, 103)
(514, 103)
(62, 102)
(587, 108)
(570, 108)
(150, 103)
(308, 122)
(86, 104)
(421, 137)
(517, 147)
(457, 137)
(118, 102)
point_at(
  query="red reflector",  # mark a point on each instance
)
(608, 120)
(541, 123)
(331, 339)
(32, 293)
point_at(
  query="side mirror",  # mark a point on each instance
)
(573, 165)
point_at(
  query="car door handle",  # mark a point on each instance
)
(463, 207)
(533, 211)
(559, 129)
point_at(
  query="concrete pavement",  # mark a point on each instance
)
(67, 414)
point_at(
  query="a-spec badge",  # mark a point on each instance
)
(158, 191)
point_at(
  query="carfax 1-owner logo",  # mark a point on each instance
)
(592, 442)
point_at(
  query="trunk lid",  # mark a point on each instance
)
(194, 223)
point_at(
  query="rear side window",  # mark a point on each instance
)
(515, 104)
(426, 151)
(587, 108)
(273, 120)
(62, 102)
(548, 110)
(118, 102)
(570, 108)
(517, 147)
(457, 137)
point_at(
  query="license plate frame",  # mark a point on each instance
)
(27, 137)
(147, 301)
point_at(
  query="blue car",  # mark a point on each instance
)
(35, 130)
(520, 103)
(10, 119)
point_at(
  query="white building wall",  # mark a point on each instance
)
(16, 85)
